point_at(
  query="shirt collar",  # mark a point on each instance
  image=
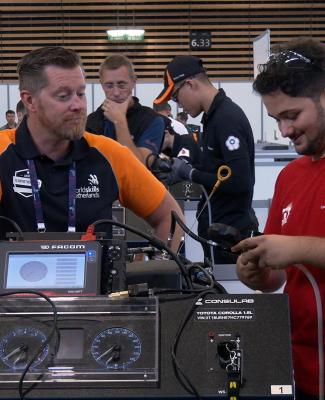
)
(218, 99)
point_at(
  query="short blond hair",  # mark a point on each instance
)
(116, 61)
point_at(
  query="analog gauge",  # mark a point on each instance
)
(19, 346)
(116, 348)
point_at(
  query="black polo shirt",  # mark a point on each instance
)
(101, 178)
(227, 139)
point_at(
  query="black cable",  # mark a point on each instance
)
(189, 232)
(180, 374)
(17, 227)
(47, 341)
(204, 272)
(159, 244)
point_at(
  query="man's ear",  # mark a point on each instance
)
(28, 100)
(134, 82)
(193, 83)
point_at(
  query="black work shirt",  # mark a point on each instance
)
(101, 178)
(227, 140)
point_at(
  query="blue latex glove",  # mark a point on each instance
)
(181, 171)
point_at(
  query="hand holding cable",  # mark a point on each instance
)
(181, 170)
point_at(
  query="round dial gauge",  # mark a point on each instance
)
(19, 346)
(116, 348)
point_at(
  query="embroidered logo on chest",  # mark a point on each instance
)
(91, 191)
(21, 183)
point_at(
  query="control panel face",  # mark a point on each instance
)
(56, 268)
(95, 341)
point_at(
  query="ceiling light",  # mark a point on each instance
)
(125, 35)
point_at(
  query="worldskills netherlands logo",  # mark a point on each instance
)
(90, 191)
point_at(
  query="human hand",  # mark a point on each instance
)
(251, 274)
(273, 251)
(181, 170)
(261, 264)
(114, 111)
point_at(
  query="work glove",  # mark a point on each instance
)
(160, 167)
(181, 171)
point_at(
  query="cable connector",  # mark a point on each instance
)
(89, 234)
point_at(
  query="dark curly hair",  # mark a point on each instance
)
(297, 68)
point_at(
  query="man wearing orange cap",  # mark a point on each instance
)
(227, 140)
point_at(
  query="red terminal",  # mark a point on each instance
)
(89, 235)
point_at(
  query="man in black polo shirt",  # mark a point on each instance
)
(54, 176)
(227, 140)
(121, 116)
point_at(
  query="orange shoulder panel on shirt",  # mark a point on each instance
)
(7, 137)
(139, 190)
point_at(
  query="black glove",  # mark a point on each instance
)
(160, 167)
(181, 171)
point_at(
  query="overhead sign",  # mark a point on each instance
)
(200, 40)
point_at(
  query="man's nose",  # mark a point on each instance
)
(286, 128)
(115, 91)
(78, 102)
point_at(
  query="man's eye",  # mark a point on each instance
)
(293, 116)
(62, 96)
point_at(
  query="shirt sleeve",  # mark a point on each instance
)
(273, 224)
(139, 190)
(241, 178)
(153, 136)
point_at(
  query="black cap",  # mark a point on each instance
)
(179, 68)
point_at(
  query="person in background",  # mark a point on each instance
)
(183, 146)
(121, 116)
(193, 129)
(182, 117)
(292, 86)
(165, 110)
(227, 140)
(20, 111)
(54, 176)
(11, 120)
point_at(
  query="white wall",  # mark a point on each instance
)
(240, 92)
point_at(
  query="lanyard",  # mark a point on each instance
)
(37, 198)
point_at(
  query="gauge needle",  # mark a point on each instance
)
(113, 351)
(115, 355)
(21, 348)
